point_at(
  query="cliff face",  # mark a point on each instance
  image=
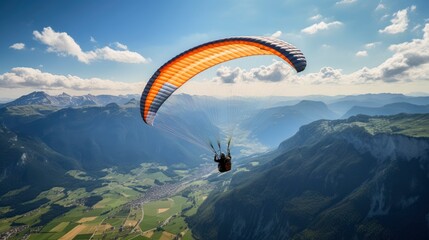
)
(386, 147)
(357, 178)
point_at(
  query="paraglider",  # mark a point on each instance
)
(223, 160)
(180, 69)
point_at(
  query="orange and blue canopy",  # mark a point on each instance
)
(173, 74)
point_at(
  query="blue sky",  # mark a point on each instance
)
(80, 47)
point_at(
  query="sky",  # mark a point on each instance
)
(113, 47)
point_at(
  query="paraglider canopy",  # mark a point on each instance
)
(173, 74)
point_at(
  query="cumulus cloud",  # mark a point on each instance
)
(276, 34)
(343, 2)
(64, 44)
(106, 53)
(320, 26)
(23, 77)
(408, 63)
(399, 23)
(17, 46)
(326, 75)
(362, 53)
(275, 72)
(228, 75)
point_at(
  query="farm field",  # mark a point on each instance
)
(120, 208)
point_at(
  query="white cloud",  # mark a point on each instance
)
(64, 44)
(343, 2)
(106, 53)
(399, 23)
(24, 77)
(92, 39)
(17, 46)
(316, 17)
(410, 56)
(362, 53)
(410, 62)
(413, 8)
(276, 72)
(320, 26)
(276, 34)
(372, 45)
(227, 75)
(326, 75)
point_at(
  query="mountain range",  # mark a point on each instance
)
(359, 178)
(65, 100)
(39, 144)
(43, 137)
(388, 109)
(344, 104)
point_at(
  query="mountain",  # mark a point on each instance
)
(30, 165)
(389, 109)
(271, 126)
(360, 178)
(14, 116)
(100, 137)
(39, 143)
(344, 104)
(65, 100)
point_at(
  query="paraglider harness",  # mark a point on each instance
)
(224, 161)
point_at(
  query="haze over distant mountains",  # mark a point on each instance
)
(271, 126)
(342, 105)
(388, 109)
